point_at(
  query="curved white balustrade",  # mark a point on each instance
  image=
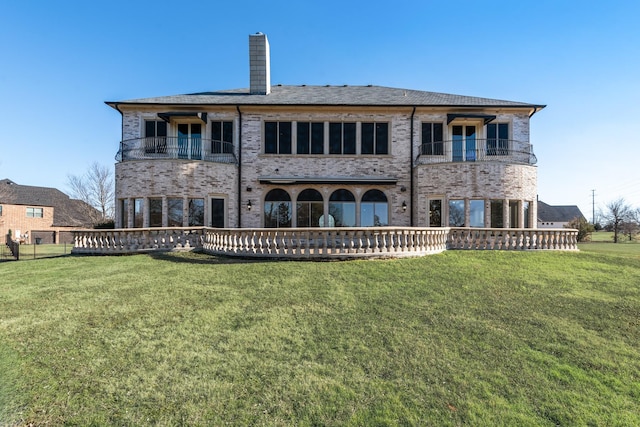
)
(320, 243)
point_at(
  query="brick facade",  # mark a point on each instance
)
(408, 180)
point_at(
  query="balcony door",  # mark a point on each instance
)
(463, 143)
(189, 140)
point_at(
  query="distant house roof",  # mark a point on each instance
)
(67, 212)
(330, 96)
(548, 213)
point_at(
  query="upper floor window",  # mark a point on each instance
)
(497, 139)
(342, 138)
(34, 212)
(432, 144)
(375, 138)
(326, 138)
(0, 210)
(221, 137)
(155, 132)
(310, 138)
(277, 137)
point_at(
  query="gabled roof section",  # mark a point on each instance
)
(329, 96)
(548, 213)
(67, 212)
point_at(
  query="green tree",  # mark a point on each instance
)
(583, 226)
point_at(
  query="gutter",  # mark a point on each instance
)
(239, 166)
(413, 113)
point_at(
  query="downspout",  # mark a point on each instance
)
(239, 166)
(413, 113)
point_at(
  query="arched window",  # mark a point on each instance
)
(277, 209)
(374, 209)
(342, 209)
(309, 208)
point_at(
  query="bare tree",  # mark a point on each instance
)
(96, 189)
(618, 212)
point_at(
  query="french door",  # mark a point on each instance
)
(190, 141)
(463, 143)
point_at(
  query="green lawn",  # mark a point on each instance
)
(463, 337)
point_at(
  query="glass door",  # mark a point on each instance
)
(190, 141)
(217, 213)
(463, 143)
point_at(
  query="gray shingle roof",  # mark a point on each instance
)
(67, 212)
(329, 96)
(548, 213)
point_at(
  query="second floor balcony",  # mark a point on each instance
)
(168, 147)
(477, 150)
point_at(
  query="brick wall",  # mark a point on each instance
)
(14, 217)
(181, 178)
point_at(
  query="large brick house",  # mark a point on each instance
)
(309, 156)
(40, 214)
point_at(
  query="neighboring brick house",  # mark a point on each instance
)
(309, 156)
(557, 216)
(39, 214)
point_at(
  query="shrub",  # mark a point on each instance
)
(583, 226)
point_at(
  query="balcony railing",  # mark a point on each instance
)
(169, 147)
(478, 150)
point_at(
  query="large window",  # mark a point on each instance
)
(309, 208)
(138, 208)
(277, 209)
(342, 138)
(432, 144)
(375, 138)
(497, 139)
(342, 209)
(34, 212)
(310, 138)
(497, 214)
(476, 213)
(155, 212)
(374, 209)
(196, 212)
(174, 213)
(456, 213)
(277, 137)
(124, 213)
(221, 137)
(155, 132)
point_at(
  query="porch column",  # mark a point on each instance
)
(506, 217)
(467, 212)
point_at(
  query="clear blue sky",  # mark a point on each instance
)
(62, 59)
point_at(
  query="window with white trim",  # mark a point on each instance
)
(34, 212)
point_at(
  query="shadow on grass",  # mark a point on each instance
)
(204, 258)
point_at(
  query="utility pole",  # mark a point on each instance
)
(593, 207)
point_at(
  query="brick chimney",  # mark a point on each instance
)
(259, 67)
